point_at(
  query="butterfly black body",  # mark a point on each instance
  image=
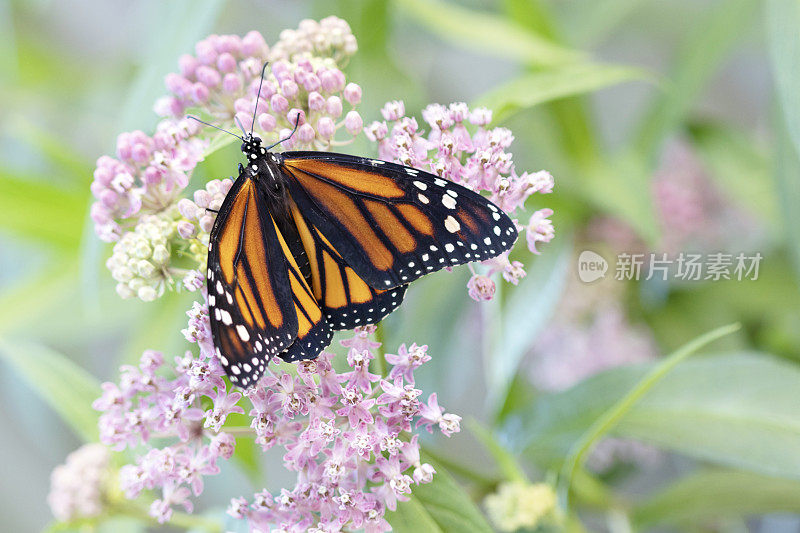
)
(309, 242)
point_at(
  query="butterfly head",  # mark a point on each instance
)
(251, 147)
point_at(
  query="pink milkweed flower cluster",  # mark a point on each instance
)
(348, 435)
(304, 79)
(460, 146)
(78, 487)
(146, 176)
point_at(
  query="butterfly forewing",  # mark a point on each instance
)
(250, 300)
(393, 224)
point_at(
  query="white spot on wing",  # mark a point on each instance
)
(419, 185)
(423, 198)
(448, 202)
(243, 333)
(451, 224)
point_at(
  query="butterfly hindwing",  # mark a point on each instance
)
(313, 331)
(249, 294)
(347, 300)
(393, 224)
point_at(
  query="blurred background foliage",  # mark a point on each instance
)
(669, 126)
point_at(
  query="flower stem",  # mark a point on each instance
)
(239, 430)
(380, 361)
(178, 519)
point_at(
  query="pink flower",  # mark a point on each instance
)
(431, 414)
(481, 288)
(407, 361)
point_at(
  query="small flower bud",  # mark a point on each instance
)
(186, 229)
(305, 133)
(326, 128)
(334, 106)
(226, 63)
(147, 293)
(352, 93)
(278, 103)
(160, 253)
(145, 269)
(353, 123)
(231, 83)
(266, 122)
(316, 102)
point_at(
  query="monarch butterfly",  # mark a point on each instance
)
(310, 242)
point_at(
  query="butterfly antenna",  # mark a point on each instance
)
(296, 123)
(213, 126)
(239, 123)
(258, 96)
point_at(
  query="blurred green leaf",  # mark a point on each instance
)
(221, 140)
(736, 409)
(24, 301)
(628, 175)
(447, 503)
(787, 184)
(531, 14)
(159, 327)
(783, 18)
(67, 388)
(611, 417)
(712, 494)
(597, 20)
(174, 29)
(513, 327)
(40, 211)
(71, 165)
(509, 465)
(486, 33)
(701, 56)
(740, 165)
(535, 88)
(412, 517)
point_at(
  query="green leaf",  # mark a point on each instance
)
(67, 388)
(486, 33)
(629, 175)
(783, 18)
(701, 56)
(735, 409)
(514, 325)
(713, 494)
(536, 88)
(412, 517)
(21, 303)
(218, 142)
(740, 165)
(67, 160)
(594, 21)
(447, 503)
(511, 468)
(611, 417)
(173, 30)
(787, 184)
(37, 210)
